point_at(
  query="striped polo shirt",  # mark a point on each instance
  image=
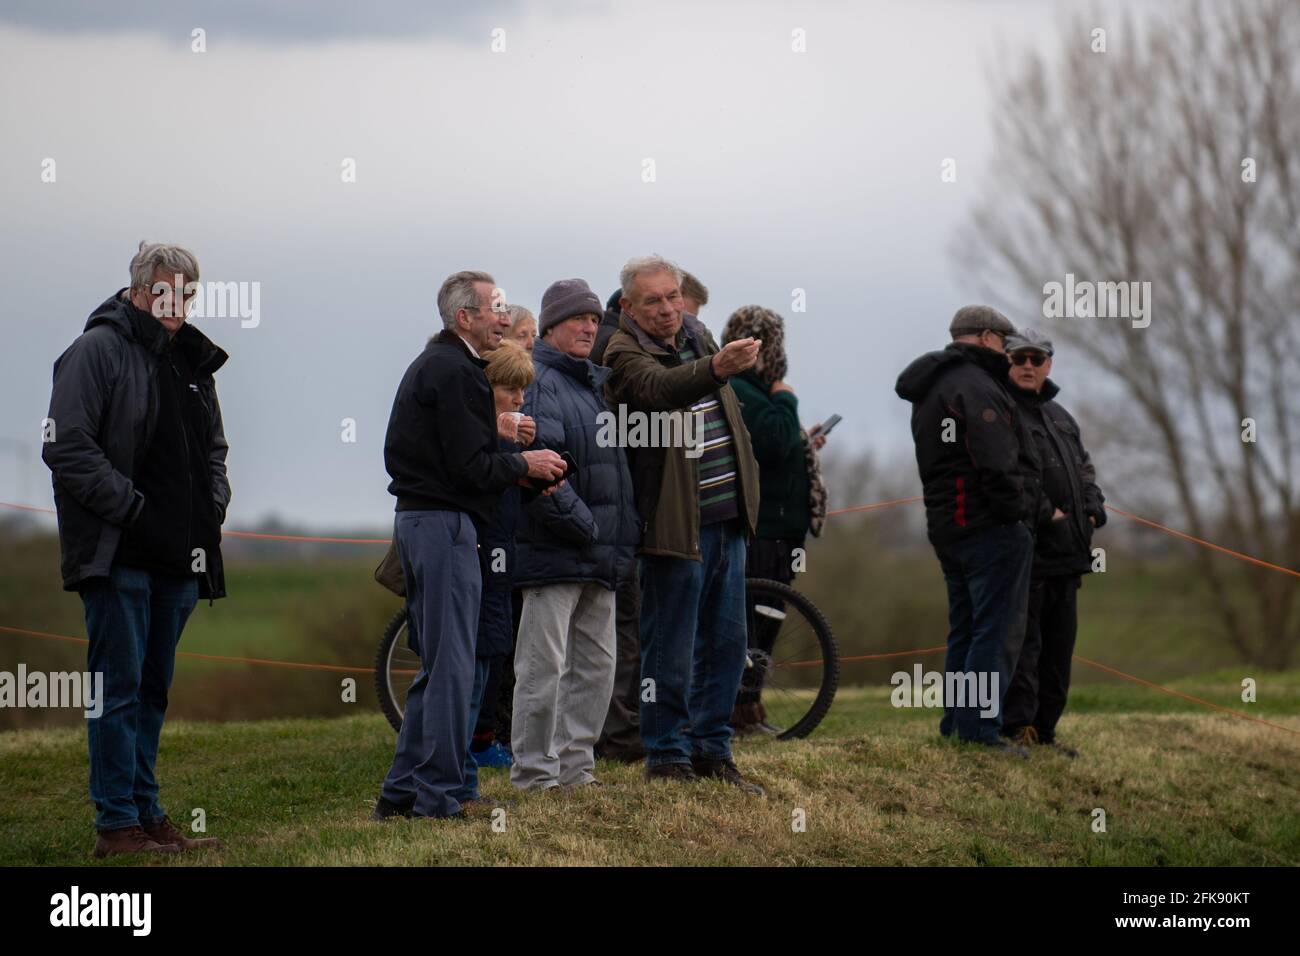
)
(717, 464)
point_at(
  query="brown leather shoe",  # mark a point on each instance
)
(166, 833)
(129, 840)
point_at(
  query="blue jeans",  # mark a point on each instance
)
(438, 551)
(693, 645)
(469, 789)
(134, 619)
(987, 573)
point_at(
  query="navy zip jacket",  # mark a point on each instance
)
(588, 529)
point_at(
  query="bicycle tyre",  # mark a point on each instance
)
(757, 589)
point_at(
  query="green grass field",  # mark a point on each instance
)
(875, 786)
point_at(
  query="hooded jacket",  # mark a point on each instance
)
(587, 530)
(978, 468)
(646, 377)
(1064, 546)
(103, 415)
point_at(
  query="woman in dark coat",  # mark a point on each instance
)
(792, 499)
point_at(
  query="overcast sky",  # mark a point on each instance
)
(775, 171)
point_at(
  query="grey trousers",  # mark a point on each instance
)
(564, 675)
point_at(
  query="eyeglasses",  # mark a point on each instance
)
(1035, 358)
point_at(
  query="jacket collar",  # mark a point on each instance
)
(1048, 392)
(448, 337)
(690, 326)
(584, 370)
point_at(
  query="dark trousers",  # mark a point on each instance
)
(1042, 680)
(987, 573)
(693, 647)
(621, 736)
(134, 620)
(438, 550)
(773, 559)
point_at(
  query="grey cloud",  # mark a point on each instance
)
(288, 21)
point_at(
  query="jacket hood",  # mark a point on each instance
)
(914, 381)
(132, 323)
(584, 370)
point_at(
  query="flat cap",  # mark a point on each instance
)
(1029, 339)
(973, 319)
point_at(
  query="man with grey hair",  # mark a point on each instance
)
(979, 474)
(137, 452)
(698, 505)
(441, 451)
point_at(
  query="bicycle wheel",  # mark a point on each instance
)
(793, 661)
(395, 668)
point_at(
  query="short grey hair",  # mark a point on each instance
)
(152, 256)
(458, 293)
(643, 265)
(517, 314)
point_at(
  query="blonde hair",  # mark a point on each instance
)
(509, 365)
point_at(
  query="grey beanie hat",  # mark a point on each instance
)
(565, 299)
(973, 319)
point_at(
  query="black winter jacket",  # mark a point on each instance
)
(1069, 483)
(588, 529)
(986, 475)
(441, 446)
(103, 415)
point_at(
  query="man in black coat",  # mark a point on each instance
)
(441, 451)
(980, 492)
(1071, 507)
(135, 443)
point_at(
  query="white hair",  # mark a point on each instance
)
(643, 265)
(153, 256)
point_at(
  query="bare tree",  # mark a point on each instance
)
(1174, 158)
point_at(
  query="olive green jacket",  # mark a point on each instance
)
(648, 378)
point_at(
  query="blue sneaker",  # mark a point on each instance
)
(495, 757)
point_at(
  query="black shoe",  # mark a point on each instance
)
(386, 810)
(725, 770)
(670, 771)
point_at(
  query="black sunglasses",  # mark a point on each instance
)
(1036, 358)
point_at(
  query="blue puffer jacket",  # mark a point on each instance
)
(496, 552)
(588, 529)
